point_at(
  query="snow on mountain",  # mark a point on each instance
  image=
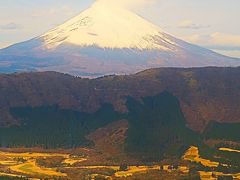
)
(106, 39)
(106, 27)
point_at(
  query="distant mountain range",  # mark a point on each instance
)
(106, 40)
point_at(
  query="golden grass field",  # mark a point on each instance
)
(29, 155)
(25, 164)
(10, 175)
(135, 169)
(209, 175)
(192, 154)
(73, 161)
(229, 149)
(31, 168)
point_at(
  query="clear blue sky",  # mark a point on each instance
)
(213, 24)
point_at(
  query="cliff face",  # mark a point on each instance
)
(205, 94)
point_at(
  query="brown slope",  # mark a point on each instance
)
(205, 94)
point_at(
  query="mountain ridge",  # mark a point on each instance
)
(205, 94)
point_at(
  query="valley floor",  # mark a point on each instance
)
(90, 164)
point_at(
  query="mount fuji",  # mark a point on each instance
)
(105, 40)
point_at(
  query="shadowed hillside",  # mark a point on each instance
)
(156, 127)
(164, 110)
(205, 94)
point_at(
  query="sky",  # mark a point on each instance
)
(214, 24)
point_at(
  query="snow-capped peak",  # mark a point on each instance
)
(107, 26)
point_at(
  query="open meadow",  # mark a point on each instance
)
(88, 164)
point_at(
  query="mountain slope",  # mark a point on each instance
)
(165, 110)
(105, 40)
(156, 127)
(205, 94)
(106, 27)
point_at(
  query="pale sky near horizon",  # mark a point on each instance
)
(213, 24)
